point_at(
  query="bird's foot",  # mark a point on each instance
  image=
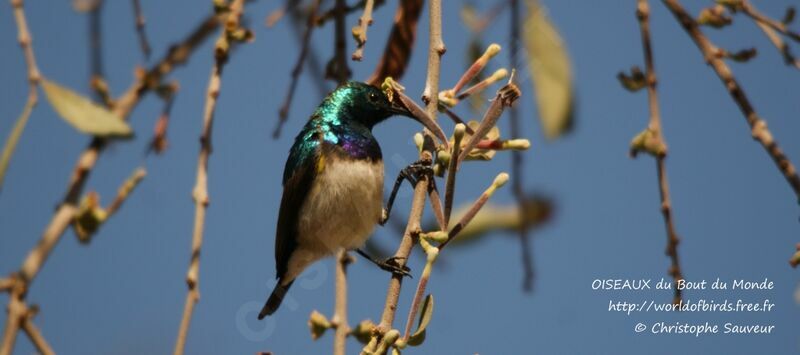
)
(391, 264)
(394, 265)
(414, 172)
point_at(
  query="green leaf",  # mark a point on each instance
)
(549, 65)
(426, 312)
(83, 114)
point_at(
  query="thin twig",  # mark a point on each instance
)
(433, 252)
(18, 288)
(360, 31)
(339, 319)
(327, 15)
(16, 310)
(16, 134)
(26, 44)
(125, 190)
(476, 206)
(643, 15)
(283, 113)
(517, 159)
(159, 143)
(776, 25)
(222, 49)
(779, 43)
(758, 127)
(35, 335)
(144, 44)
(450, 182)
(436, 204)
(312, 58)
(338, 69)
(96, 77)
(504, 98)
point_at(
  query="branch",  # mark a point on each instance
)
(143, 43)
(283, 113)
(757, 16)
(450, 183)
(779, 44)
(25, 42)
(360, 31)
(430, 96)
(16, 310)
(231, 34)
(337, 68)
(758, 127)
(768, 26)
(517, 162)
(35, 335)
(327, 15)
(340, 313)
(125, 190)
(432, 252)
(96, 80)
(643, 15)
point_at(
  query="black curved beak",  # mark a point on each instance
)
(398, 108)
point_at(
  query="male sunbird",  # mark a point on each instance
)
(333, 182)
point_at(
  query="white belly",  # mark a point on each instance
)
(343, 214)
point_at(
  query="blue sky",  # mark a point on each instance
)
(124, 293)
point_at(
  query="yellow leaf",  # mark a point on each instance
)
(549, 65)
(83, 114)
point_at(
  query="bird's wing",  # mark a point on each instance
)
(295, 190)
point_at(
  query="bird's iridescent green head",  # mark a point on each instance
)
(360, 102)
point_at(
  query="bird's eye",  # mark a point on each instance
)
(373, 97)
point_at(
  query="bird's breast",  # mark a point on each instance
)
(343, 206)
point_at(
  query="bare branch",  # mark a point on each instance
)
(360, 31)
(125, 190)
(283, 114)
(26, 44)
(144, 44)
(643, 15)
(776, 25)
(339, 319)
(517, 161)
(384, 329)
(231, 34)
(337, 68)
(758, 127)
(35, 335)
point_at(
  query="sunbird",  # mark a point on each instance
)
(333, 182)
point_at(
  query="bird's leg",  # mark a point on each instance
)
(390, 264)
(413, 173)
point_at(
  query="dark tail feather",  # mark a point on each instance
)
(275, 299)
